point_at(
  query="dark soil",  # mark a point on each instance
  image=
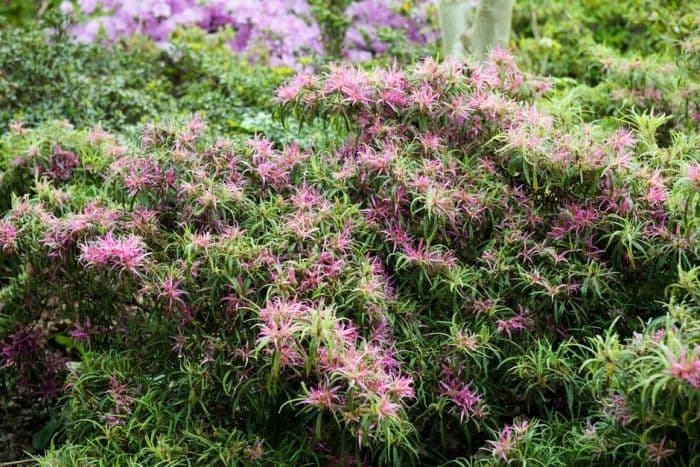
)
(18, 422)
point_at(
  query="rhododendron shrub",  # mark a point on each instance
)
(280, 33)
(437, 283)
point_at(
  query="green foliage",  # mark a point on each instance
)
(54, 78)
(331, 18)
(24, 12)
(234, 95)
(134, 82)
(624, 55)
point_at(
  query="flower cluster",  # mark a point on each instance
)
(368, 388)
(123, 254)
(8, 234)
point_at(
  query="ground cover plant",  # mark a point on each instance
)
(209, 261)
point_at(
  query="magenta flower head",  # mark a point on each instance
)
(83, 332)
(61, 164)
(693, 173)
(127, 254)
(518, 323)
(291, 91)
(171, 293)
(507, 441)
(466, 401)
(8, 237)
(196, 126)
(324, 396)
(686, 367)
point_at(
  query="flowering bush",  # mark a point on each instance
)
(276, 32)
(445, 263)
(432, 284)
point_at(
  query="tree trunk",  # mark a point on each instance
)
(467, 32)
(491, 26)
(455, 22)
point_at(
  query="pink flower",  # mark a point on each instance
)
(123, 401)
(278, 333)
(693, 173)
(18, 127)
(400, 387)
(657, 452)
(384, 407)
(574, 218)
(281, 321)
(171, 293)
(424, 98)
(621, 139)
(656, 196)
(202, 241)
(196, 126)
(115, 150)
(617, 407)
(358, 93)
(61, 164)
(516, 323)
(502, 57)
(380, 162)
(350, 82)
(83, 332)
(686, 367)
(97, 135)
(288, 92)
(322, 396)
(283, 309)
(291, 156)
(422, 256)
(508, 438)
(8, 237)
(179, 345)
(345, 332)
(431, 141)
(255, 452)
(122, 254)
(466, 340)
(466, 400)
(395, 98)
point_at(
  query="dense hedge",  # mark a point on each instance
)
(205, 261)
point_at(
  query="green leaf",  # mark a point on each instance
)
(42, 438)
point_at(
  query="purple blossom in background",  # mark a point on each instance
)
(284, 29)
(368, 16)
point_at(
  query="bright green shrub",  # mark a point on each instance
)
(53, 78)
(638, 55)
(133, 82)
